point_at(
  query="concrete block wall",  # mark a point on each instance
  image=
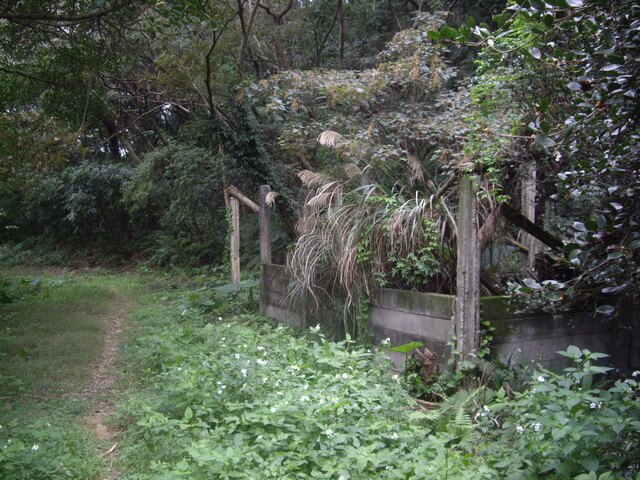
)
(404, 316)
(273, 296)
(518, 339)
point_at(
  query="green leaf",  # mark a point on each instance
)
(544, 105)
(448, 32)
(590, 463)
(553, 296)
(188, 414)
(579, 226)
(634, 245)
(535, 53)
(548, 21)
(433, 35)
(407, 347)
(606, 309)
(544, 141)
(574, 352)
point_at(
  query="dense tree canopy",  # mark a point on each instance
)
(128, 118)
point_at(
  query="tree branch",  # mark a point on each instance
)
(44, 17)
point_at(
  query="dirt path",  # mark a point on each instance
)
(101, 386)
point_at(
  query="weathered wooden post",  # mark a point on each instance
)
(265, 225)
(528, 210)
(265, 244)
(467, 313)
(235, 240)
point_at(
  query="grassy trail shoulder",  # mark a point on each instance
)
(59, 337)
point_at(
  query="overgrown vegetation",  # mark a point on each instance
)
(124, 122)
(235, 396)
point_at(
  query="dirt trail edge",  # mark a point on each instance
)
(101, 386)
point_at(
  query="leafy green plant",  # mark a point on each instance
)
(565, 426)
(46, 450)
(234, 396)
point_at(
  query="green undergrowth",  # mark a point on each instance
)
(233, 396)
(51, 330)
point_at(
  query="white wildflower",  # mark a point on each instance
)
(396, 377)
(537, 426)
(35, 447)
(219, 392)
(385, 342)
(305, 386)
(595, 405)
(219, 319)
(184, 312)
(294, 368)
(540, 378)
(273, 410)
(520, 429)
(243, 372)
(265, 379)
(344, 376)
(260, 348)
(486, 409)
(315, 329)
(236, 356)
(261, 362)
(304, 398)
(394, 436)
(636, 373)
(328, 432)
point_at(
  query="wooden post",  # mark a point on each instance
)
(528, 209)
(265, 244)
(265, 225)
(467, 313)
(235, 240)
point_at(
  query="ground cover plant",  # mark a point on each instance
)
(237, 397)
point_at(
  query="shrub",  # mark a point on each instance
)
(178, 189)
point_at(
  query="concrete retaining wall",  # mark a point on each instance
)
(404, 316)
(518, 339)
